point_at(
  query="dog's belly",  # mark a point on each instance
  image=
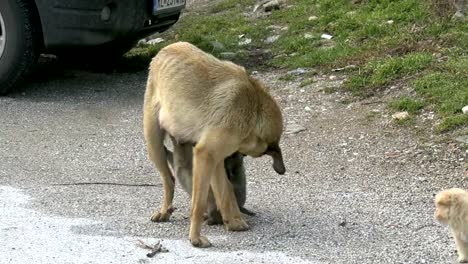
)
(181, 127)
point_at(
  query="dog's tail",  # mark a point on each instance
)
(245, 211)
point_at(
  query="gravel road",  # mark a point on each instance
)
(77, 186)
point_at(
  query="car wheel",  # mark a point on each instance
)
(19, 44)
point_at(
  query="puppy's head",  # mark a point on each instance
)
(446, 203)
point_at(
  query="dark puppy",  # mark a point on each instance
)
(180, 161)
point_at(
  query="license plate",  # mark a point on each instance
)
(160, 5)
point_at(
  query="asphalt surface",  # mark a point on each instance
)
(76, 185)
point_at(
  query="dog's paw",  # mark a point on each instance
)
(237, 224)
(463, 259)
(160, 217)
(200, 242)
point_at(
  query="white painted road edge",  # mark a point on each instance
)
(28, 236)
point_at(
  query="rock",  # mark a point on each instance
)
(390, 22)
(155, 41)
(272, 5)
(348, 67)
(271, 39)
(308, 36)
(298, 71)
(217, 45)
(465, 109)
(228, 55)
(293, 128)
(307, 109)
(462, 139)
(313, 18)
(400, 115)
(332, 77)
(326, 36)
(142, 42)
(458, 16)
(268, 5)
(244, 42)
(274, 27)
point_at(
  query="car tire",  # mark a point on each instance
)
(19, 41)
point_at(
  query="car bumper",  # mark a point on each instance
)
(78, 23)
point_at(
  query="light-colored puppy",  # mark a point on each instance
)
(216, 105)
(452, 210)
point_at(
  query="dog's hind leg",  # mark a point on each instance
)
(154, 137)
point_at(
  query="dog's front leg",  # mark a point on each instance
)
(226, 200)
(209, 153)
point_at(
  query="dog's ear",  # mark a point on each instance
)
(275, 152)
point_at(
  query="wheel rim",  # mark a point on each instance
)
(2, 35)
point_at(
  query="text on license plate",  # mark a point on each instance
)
(164, 4)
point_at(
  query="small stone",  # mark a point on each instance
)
(307, 109)
(458, 16)
(313, 18)
(422, 179)
(462, 139)
(465, 109)
(155, 41)
(400, 115)
(272, 5)
(274, 27)
(272, 39)
(342, 223)
(332, 77)
(217, 45)
(326, 36)
(245, 42)
(297, 71)
(228, 55)
(390, 22)
(308, 36)
(142, 42)
(293, 128)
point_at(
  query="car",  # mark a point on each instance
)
(97, 28)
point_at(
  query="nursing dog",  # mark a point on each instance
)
(215, 105)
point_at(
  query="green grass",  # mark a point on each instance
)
(401, 53)
(377, 73)
(406, 104)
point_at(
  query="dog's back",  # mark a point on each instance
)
(194, 90)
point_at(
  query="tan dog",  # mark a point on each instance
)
(180, 161)
(215, 104)
(452, 210)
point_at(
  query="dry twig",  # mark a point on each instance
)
(154, 249)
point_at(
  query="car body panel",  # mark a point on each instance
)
(73, 23)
